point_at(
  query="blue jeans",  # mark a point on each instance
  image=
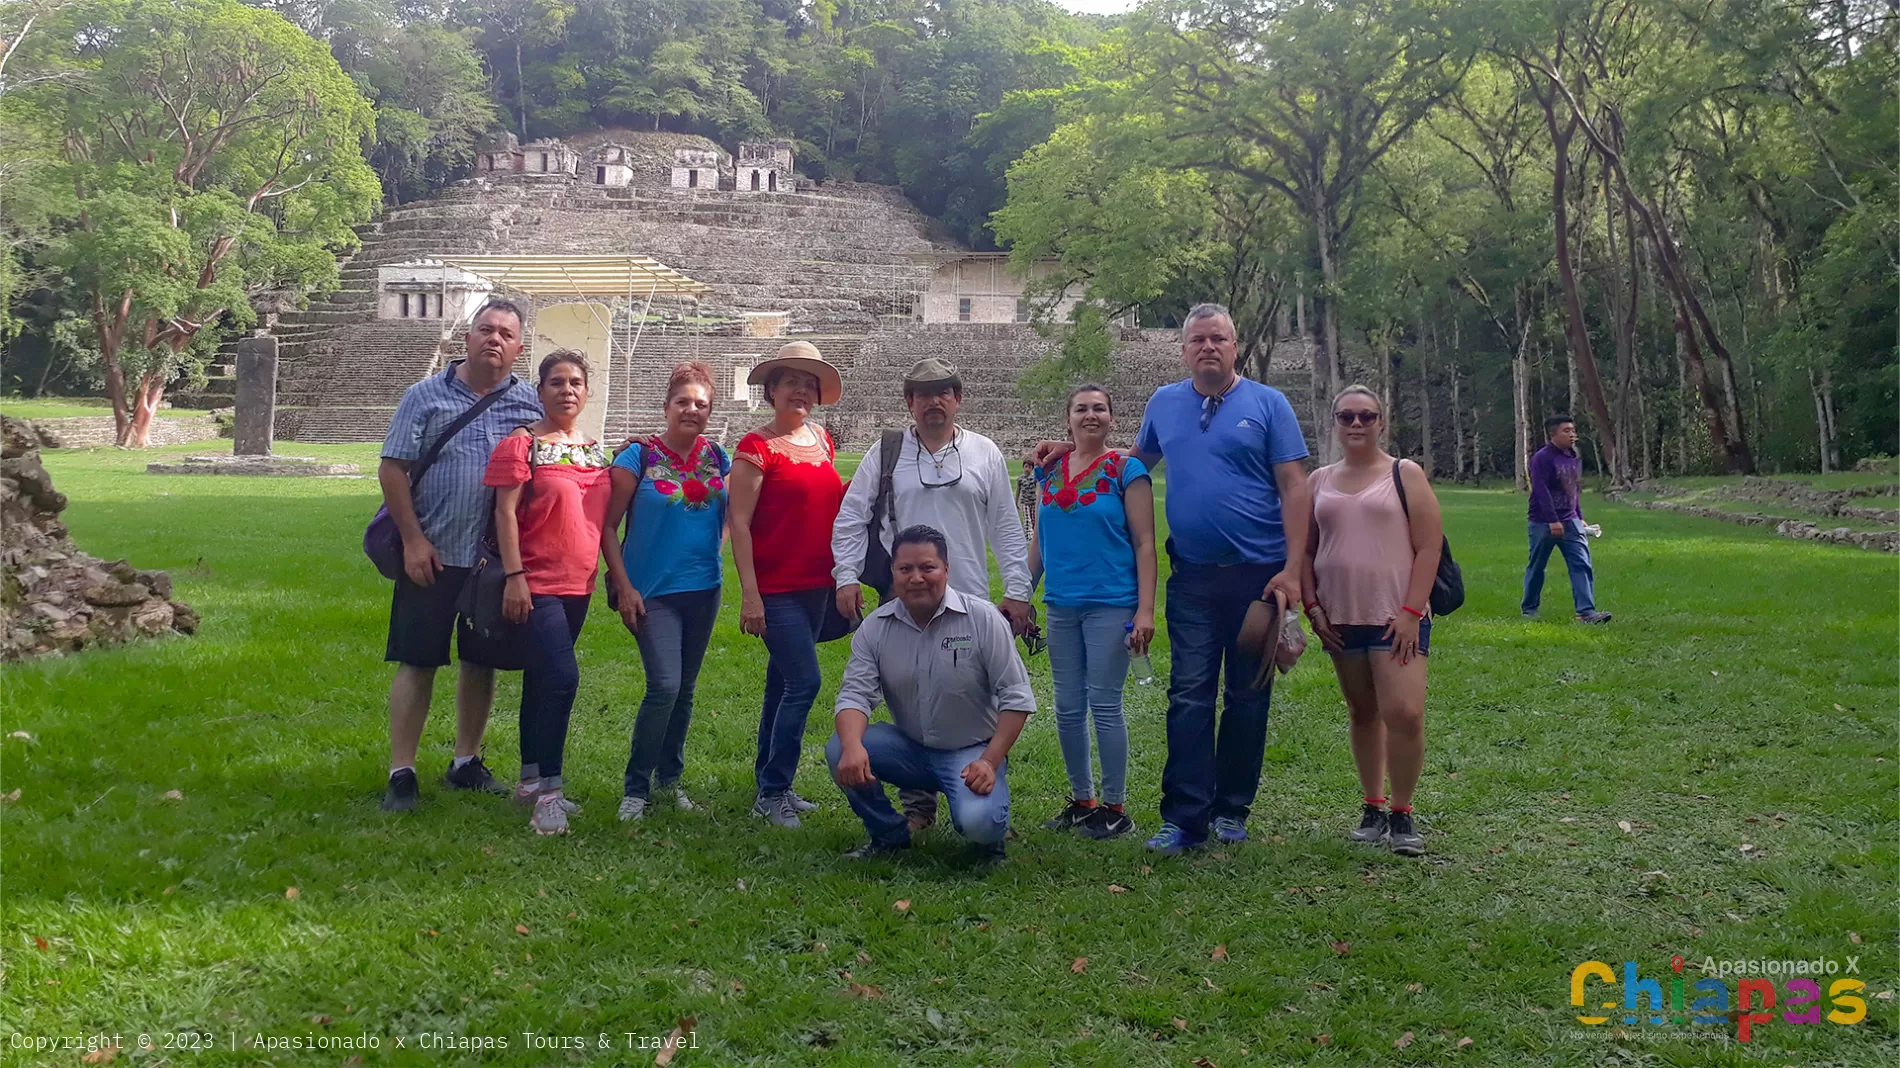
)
(1088, 657)
(1576, 550)
(791, 684)
(672, 640)
(549, 682)
(908, 765)
(1211, 774)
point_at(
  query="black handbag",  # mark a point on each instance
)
(1448, 586)
(876, 572)
(382, 542)
(483, 635)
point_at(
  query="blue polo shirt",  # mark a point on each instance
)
(1223, 504)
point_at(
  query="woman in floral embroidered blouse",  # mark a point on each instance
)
(1095, 541)
(551, 491)
(785, 497)
(666, 583)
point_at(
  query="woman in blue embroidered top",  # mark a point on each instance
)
(1095, 543)
(666, 585)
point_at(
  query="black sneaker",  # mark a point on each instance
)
(1070, 817)
(1372, 826)
(990, 856)
(1104, 823)
(1405, 841)
(402, 793)
(874, 849)
(474, 775)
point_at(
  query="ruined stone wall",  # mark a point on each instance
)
(93, 431)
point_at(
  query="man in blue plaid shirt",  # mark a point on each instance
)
(441, 524)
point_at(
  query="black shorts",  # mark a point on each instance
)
(421, 618)
(1361, 640)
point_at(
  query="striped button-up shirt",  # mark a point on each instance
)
(452, 505)
(944, 681)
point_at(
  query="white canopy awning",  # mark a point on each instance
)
(579, 276)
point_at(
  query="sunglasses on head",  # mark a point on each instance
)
(1352, 418)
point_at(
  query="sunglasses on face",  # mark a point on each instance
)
(1350, 418)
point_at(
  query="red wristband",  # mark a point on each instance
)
(1414, 611)
(1310, 605)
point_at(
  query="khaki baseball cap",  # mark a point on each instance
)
(933, 372)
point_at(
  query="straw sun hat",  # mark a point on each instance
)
(802, 356)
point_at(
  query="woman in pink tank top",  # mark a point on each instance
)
(1367, 585)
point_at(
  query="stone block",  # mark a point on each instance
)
(256, 396)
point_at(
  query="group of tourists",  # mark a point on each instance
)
(490, 480)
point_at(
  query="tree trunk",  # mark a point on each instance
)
(1820, 420)
(1384, 350)
(1521, 397)
(1833, 425)
(1457, 422)
(1328, 309)
(151, 391)
(521, 94)
(1316, 401)
(1425, 398)
(1583, 362)
(1682, 407)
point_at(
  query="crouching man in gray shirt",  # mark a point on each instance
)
(946, 664)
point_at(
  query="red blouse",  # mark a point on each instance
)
(560, 520)
(798, 502)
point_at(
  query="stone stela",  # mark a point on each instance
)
(256, 396)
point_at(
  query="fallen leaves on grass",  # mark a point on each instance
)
(1324, 1040)
(1204, 1062)
(864, 990)
(1854, 937)
(521, 928)
(1116, 888)
(1079, 965)
(1747, 847)
(863, 957)
(1402, 1041)
(1320, 986)
(291, 893)
(674, 1039)
(1220, 953)
(902, 906)
(1625, 827)
(12, 797)
(1567, 819)
(102, 1055)
(1147, 870)
(1414, 987)
(1342, 948)
(1180, 1024)
(25, 737)
(1463, 1042)
(41, 943)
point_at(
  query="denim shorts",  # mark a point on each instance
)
(1357, 638)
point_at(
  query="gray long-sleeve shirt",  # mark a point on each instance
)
(946, 681)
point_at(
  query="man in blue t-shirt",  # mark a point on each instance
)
(1238, 509)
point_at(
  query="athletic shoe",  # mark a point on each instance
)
(1593, 617)
(632, 808)
(1170, 841)
(550, 816)
(474, 775)
(778, 810)
(874, 849)
(799, 804)
(1372, 825)
(680, 800)
(1230, 831)
(1070, 818)
(1405, 841)
(1532, 614)
(402, 793)
(1104, 823)
(529, 793)
(990, 856)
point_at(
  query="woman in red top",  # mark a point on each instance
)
(785, 495)
(550, 525)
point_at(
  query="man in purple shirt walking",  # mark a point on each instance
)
(1556, 521)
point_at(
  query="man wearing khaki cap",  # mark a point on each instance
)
(945, 477)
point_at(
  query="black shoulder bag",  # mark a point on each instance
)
(483, 635)
(382, 542)
(1448, 586)
(876, 572)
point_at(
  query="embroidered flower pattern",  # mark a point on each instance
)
(691, 481)
(547, 453)
(1060, 491)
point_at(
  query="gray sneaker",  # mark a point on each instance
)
(1402, 837)
(1593, 618)
(550, 816)
(632, 808)
(778, 810)
(802, 805)
(1531, 614)
(1372, 826)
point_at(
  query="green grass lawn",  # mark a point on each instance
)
(1712, 776)
(71, 407)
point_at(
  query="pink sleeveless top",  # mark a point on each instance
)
(1364, 560)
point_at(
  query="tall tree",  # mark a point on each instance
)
(190, 177)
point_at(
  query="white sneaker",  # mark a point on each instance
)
(531, 792)
(632, 808)
(681, 801)
(550, 815)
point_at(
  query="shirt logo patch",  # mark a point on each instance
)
(959, 642)
(1243, 424)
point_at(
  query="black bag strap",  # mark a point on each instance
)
(883, 505)
(461, 422)
(1399, 484)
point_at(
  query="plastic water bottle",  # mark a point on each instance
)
(1138, 663)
